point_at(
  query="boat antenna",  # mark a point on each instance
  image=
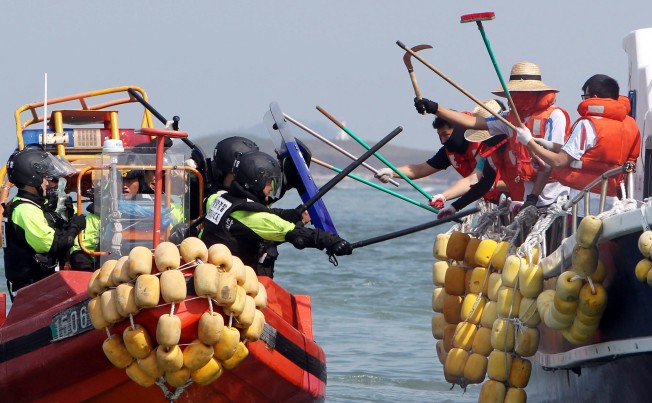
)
(45, 110)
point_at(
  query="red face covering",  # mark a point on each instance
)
(529, 102)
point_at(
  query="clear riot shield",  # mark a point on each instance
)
(126, 200)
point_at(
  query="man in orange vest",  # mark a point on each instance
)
(603, 138)
(534, 101)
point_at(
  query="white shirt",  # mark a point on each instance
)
(554, 132)
(575, 147)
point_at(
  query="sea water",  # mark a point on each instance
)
(372, 313)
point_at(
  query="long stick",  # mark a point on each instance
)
(451, 82)
(380, 157)
(376, 186)
(333, 145)
(414, 229)
(337, 178)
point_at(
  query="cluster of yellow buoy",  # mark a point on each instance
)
(121, 288)
(643, 269)
(576, 304)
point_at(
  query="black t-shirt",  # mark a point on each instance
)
(455, 143)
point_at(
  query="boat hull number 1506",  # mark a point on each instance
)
(71, 322)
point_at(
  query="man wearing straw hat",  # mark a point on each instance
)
(603, 138)
(549, 124)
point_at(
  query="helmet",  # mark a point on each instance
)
(29, 166)
(226, 152)
(254, 170)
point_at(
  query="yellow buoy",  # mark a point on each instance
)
(568, 289)
(600, 272)
(452, 309)
(479, 282)
(642, 269)
(441, 352)
(173, 286)
(440, 246)
(472, 308)
(449, 332)
(489, 314)
(136, 374)
(125, 299)
(495, 282)
(499, 365)
(150, 366)
(239, 304)
(177, 378)
(168, 330)
(492, 392)
(455, 280)
(645, 243)
(169, 359)
(227, 288)
(196, 355)
(147, 291)
(590, 303)
(565, 307)
(583, 330)
(527, 342)
(220, 255)
(225, 348)
(545, 297)
(588, 320)
(530, 281)
(166, 256)
(500, 255)
(515, 395)
(238, 270)
(120, 273)
(116, 352)
(207, 374)
(253, 331)
(509, 302)
(503, 335)
(457, 245)
(528, 313)
(475, 368)
(438, 323)
(108, 305)
(467, 281)
(104, 278)
(513, 265)
(588, 232)
(469, 253)
(210, 328)
(485, 251)
(240, 354)
(261, 297)
(573, 338)
(555, 320)
(94, 289)
(246, 317)
(137, 341)
(251, 282)
(482, 341)
(585, 260)
(455, 362)
(95, 312)
(205, 280)
(140, 261)
(193, 248)
(439, 272)
(438, 295)
(464, 334)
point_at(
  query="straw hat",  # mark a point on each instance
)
(474, 135)
(525, 76)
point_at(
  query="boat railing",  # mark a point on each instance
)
(628, 169)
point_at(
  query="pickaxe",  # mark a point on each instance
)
(407, 59)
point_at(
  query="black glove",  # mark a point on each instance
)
(70, 210)
(340, 248)
(78, 222)
(292, 215)
(426, 105)
(530, 200)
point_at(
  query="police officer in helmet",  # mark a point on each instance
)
(31, 244)
(242, 219)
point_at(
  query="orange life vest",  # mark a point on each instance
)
(617, 141)
(501, 160)
(537, 125)
(464, 163)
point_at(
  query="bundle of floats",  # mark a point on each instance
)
(160, 278)
(489, 300)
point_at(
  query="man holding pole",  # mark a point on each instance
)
(549, 125)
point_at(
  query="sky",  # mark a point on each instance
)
(219, 64)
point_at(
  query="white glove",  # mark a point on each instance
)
(448, 211)
(438, 201)
(384, 174)
(523, 135)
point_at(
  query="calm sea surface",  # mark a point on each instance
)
(372, 313)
